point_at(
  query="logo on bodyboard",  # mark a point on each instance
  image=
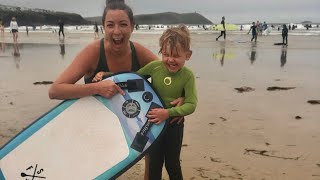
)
(131, 108)
(147, 96)
(33, 173)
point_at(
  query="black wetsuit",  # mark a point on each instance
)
(254, 32)
(170, 145)
(96, 28)
(285, 35)
(103, 65)
(61, 24)
(222, 32)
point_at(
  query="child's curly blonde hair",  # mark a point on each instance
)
(175, 36)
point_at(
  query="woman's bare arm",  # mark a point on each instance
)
(64, 86)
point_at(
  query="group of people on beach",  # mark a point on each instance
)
(13, 29)
(114, 53)
(256, 29)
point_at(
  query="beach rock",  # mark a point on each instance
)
(244, 89)
(274, 88)
(298, 117)
(314, 101)
(43, 83)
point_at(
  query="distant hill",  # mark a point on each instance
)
(164, 18)
(27, 16)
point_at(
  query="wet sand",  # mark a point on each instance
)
(232, 135)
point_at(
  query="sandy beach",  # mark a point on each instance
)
(256, 135)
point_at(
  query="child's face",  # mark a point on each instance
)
(174, 59)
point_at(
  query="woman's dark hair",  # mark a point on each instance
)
(117, 5)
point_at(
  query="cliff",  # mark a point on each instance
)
(30, 17)
(171, 18)
(26, 16)
(165, 18)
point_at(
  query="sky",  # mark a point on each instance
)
(235, 11)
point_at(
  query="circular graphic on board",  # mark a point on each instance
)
(131, 108)
(147, 96)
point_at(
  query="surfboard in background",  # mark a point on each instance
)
(229, 27)
(279, 44)
(86, 138)
(221, 55)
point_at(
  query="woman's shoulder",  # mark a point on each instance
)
(95, 43)
(91, 50)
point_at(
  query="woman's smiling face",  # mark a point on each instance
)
(118, 29)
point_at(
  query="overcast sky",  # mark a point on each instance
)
(235, 11)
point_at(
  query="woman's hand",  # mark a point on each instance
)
(158, 115)
(177, 102)
(108, 89)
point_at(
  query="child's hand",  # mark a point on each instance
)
(158, 115)
(98, 77)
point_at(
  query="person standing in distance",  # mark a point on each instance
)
(96, 30)
(223, 32)
(61, 25)
(285, 35)
(14, 29)
(254, 32)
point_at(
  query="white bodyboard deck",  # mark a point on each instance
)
(87, 138)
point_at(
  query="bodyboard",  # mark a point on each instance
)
(87, 138)
(229, 27)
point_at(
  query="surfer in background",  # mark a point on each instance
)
(61, 28)
(1, 28)
(254, 32)
(14, 29)
(96, 30)
(224, 30)
(171, 79)
(285, 35)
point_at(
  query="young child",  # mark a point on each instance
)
(172, 80)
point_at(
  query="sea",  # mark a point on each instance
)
(198, 28)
